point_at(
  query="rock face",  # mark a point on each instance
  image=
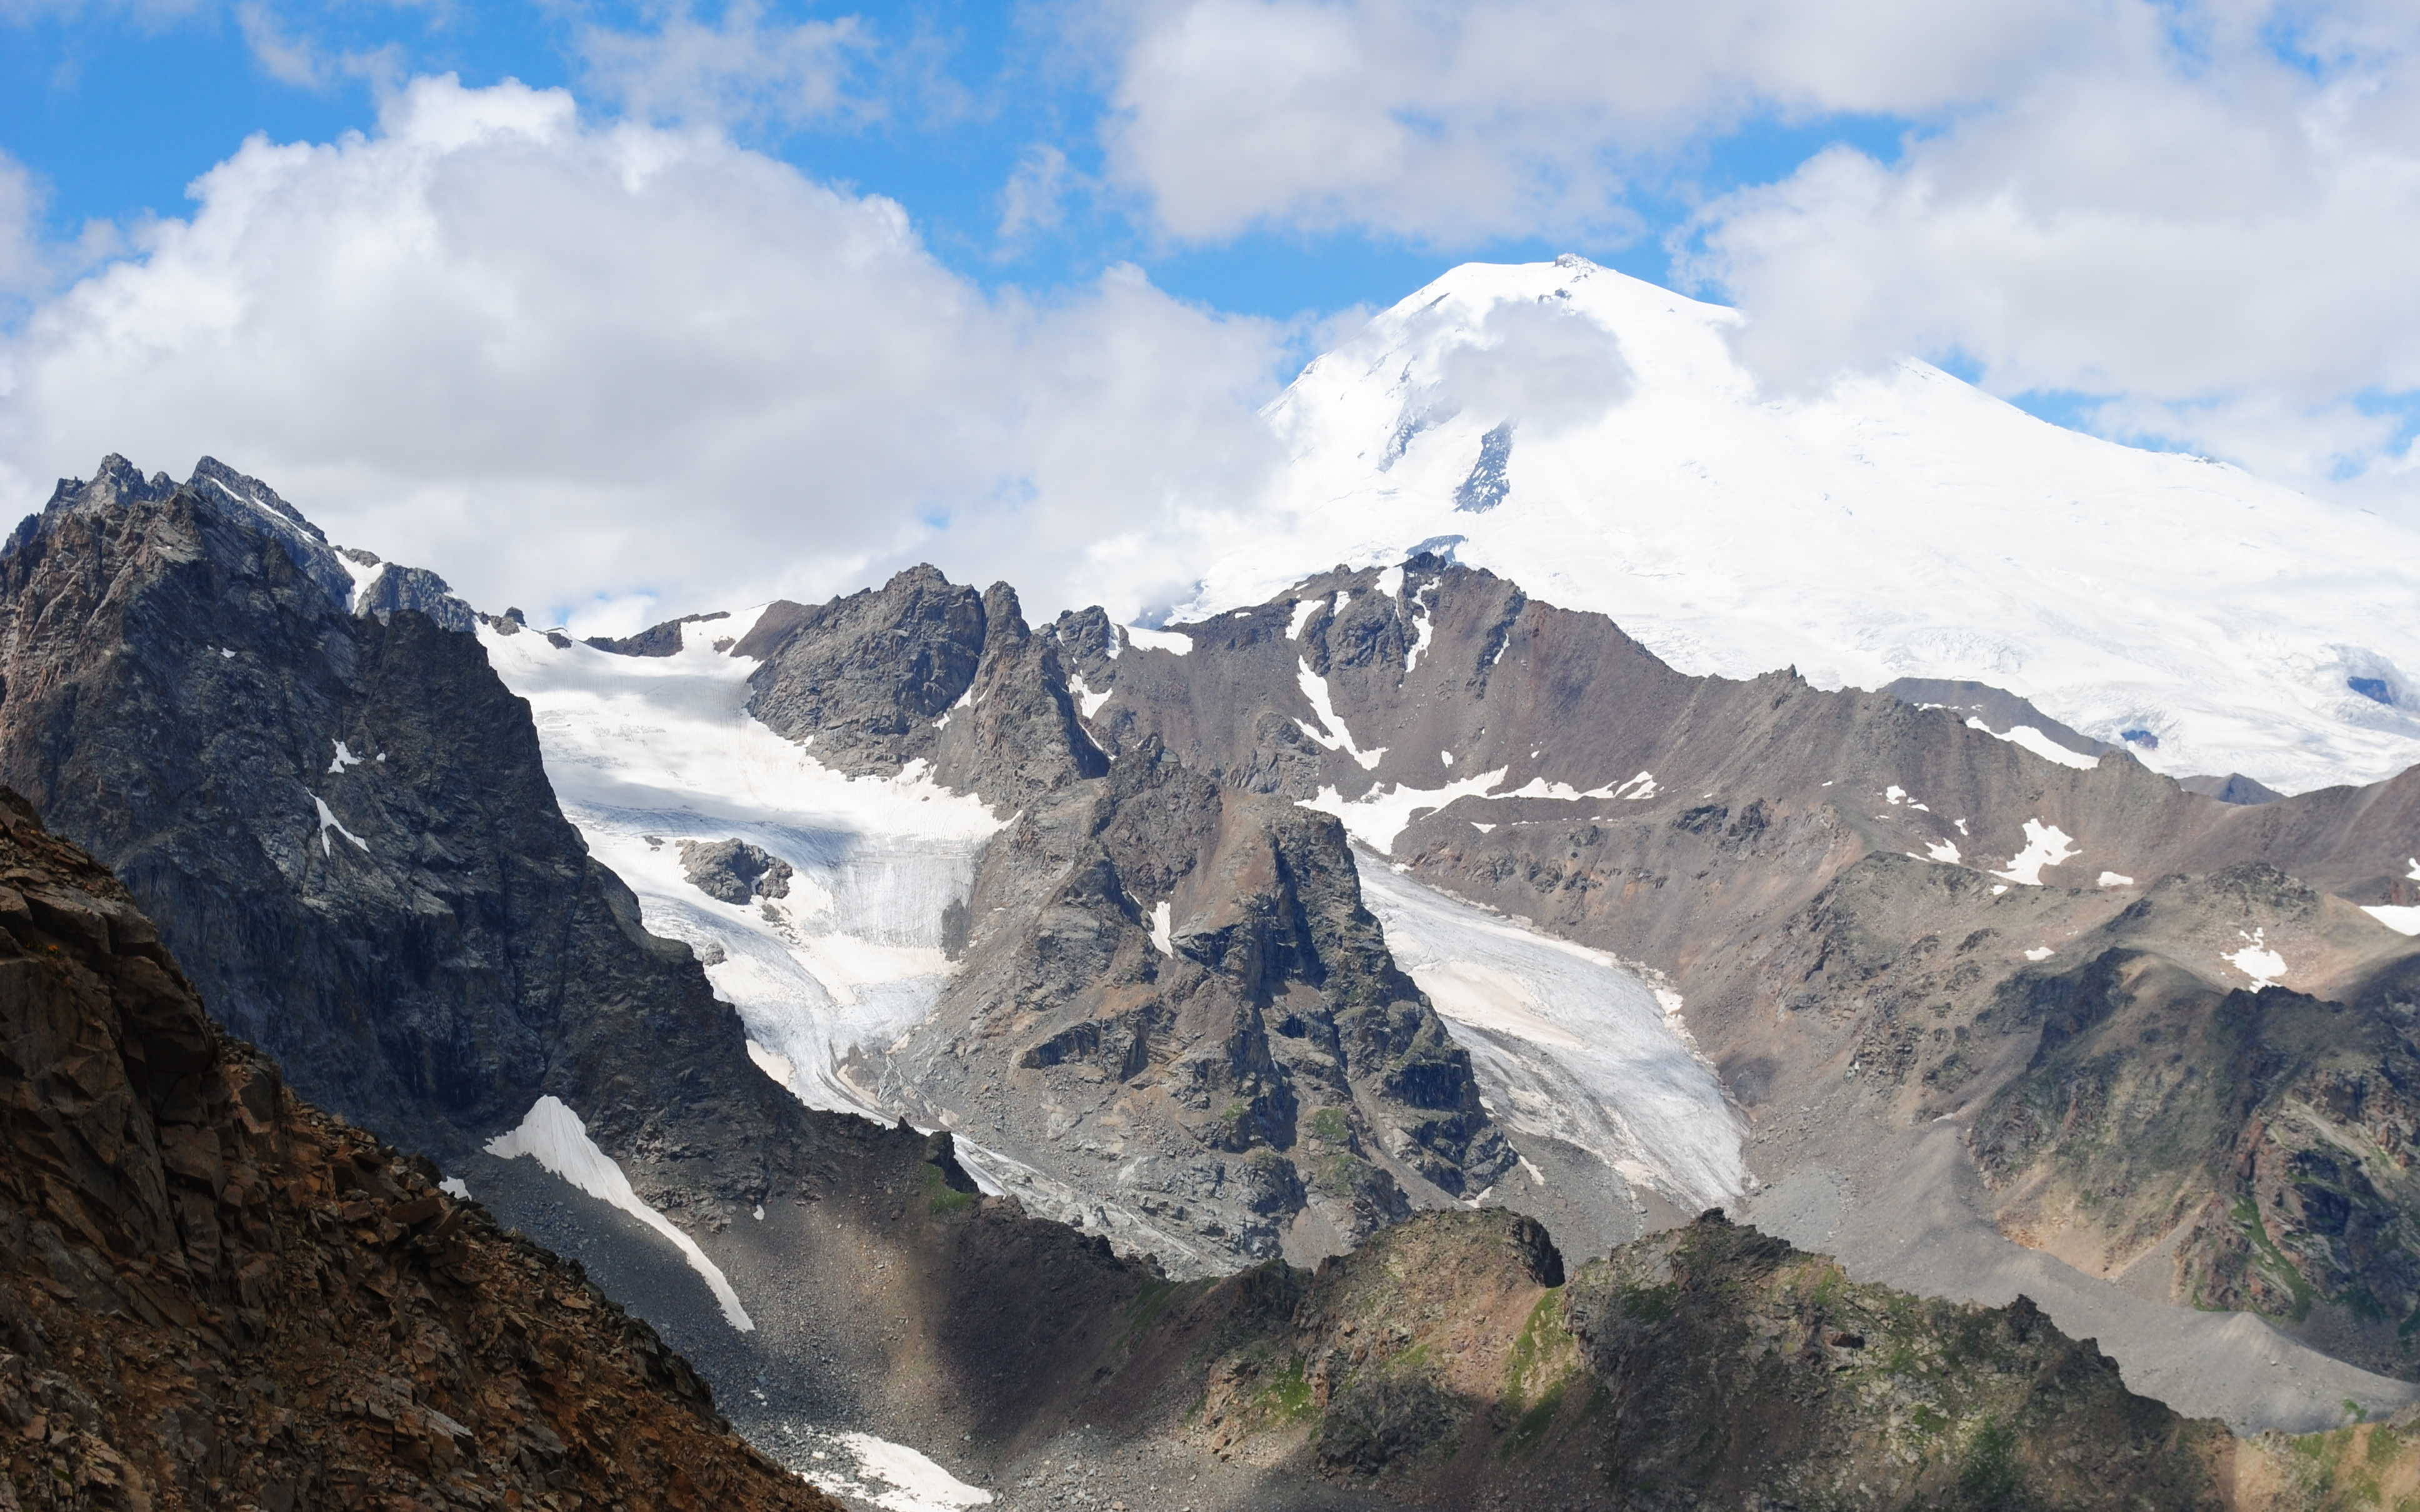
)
(1155, 970)
(1185, 978)
(341, 818)
(879, 680)
(213, 1295)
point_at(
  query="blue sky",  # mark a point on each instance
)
(118, 109)
(2174, 222)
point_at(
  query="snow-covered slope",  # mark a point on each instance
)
(648, 751)
(1590, 437)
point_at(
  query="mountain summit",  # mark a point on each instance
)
(1593, 438)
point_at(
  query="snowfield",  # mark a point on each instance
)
(1902, 525)
(648, 751)
(1568, 1043)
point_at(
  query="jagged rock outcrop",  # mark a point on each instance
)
(340, 815)
(213, 1295)
(733, 870)
(921, 670)
(1182, 979)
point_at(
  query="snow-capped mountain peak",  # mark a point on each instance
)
(1592, 437)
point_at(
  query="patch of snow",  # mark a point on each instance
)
(1160, 929)
(226, 653)
(1314, 687)
(1446, 756)
(1960, 824)
(344, 757)
(555, 1136)
(2040, 744)
(1637, 787)
(1390, 582)
(1088, 703)
(1379, 815)
(1303, 611)
(2256, 960)
(1895, 794)
(2115, 879)
(1568, 1042)
(759, 1213)
(1485, 829)
(2046, 845)
(1168, 640)
(905, 1480)
(454, 1186)
(328, 821)
(2040, 952)
(1424, 628)
(1538, 787)
(1942, 851)
(2402, 920)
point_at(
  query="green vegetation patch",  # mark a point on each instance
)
(941, 1197)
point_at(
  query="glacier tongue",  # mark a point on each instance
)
(646, 751)
(1567, 1041)
(1900, 525)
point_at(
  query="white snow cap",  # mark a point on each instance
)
(1894, 526)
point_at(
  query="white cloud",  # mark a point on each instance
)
(1534, 363)
(291, 57)
(2219, 239)
(2201, 208)
(1036, 198)
(739, 70)
(569, 363)
(1453, 122)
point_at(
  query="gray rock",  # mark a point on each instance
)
(734, 871)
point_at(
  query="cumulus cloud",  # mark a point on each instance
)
(1453, 122)
(2215, 243)
(2195, 210)
(557, 359)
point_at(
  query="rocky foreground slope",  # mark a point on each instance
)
(214, 1296)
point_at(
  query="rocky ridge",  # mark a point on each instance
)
(1185, 968)
(213, 1295)
(1847, 889)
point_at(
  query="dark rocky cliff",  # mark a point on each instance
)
(341, 819)
(213, 1295)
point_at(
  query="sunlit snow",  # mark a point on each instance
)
(2040, 744)
(2046, 845)
(1332, 733)
(1899, 524)
(1379, 815)
(1168, 640)
(2257, 960)
(1567, 1041)
(555, 1136)
(662, 748)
